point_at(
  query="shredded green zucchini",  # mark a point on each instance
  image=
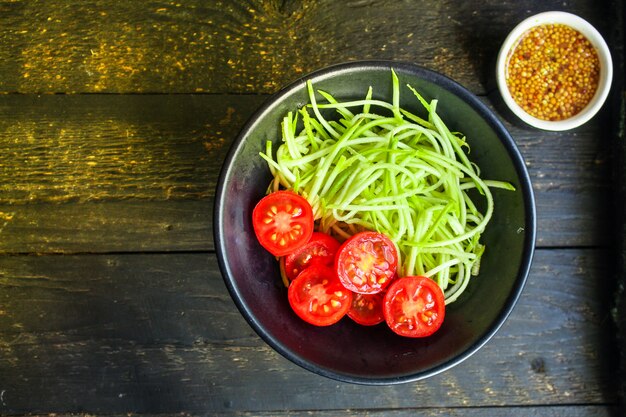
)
(393, 172)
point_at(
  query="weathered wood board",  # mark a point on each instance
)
(115, 118)
(119, 333)
(249, 46)
(119, 172)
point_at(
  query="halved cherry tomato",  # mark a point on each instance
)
(367, 309)
(321, 248)
(414, 306)
(367, 262)
(318, 297)
(283, 222)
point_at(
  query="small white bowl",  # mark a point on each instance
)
(596, 40)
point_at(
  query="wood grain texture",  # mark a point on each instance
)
(112, 226)
(97, 147)
(536, 411)
(77, 173)
(130, 333)
(111, 301)
(246, 46)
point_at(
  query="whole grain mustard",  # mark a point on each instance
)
(553, 72)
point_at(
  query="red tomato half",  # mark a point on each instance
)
(321, 248)
(414, 306)
(318, 297)
(367, 262)
(367, 309)
(283, 222)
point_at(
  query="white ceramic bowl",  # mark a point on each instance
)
(596, 40)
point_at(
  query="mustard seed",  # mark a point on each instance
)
(553, 72)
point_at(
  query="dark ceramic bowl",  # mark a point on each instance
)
(347, 351)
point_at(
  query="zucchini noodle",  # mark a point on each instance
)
(389, 171)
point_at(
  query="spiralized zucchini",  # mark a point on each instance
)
(391, 171)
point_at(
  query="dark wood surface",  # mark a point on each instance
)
(115, 118)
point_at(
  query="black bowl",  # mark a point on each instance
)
(346, 351)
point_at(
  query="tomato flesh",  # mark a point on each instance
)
(282, 222)
(318, 297)
(414, 306)
(321, 248)
(367, 262)
(367, 309)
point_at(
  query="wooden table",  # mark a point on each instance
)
(115, 120)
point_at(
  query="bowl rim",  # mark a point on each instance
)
(490, 118)
(597, 41)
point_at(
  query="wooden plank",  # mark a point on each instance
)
(618, 148)
(60, 149)
(131, 333)
(537, 411)
(110, 226)
(77, 171)
(546, 411)
(249, 45)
